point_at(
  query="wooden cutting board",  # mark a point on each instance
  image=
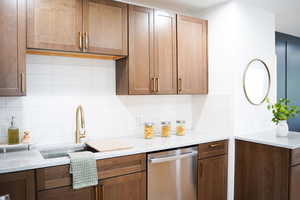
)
(105, 145)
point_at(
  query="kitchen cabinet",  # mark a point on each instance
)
(192, 55)
(19, 186)
(92, 26)
(131, 187)
(266, 172)
(167, 54)
(105, 27)
(13, 45)
(212, 170)
(68, 193)
(151, 67)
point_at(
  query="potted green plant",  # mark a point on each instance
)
(282, 111)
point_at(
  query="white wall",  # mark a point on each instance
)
(56, 85)
(237, 33)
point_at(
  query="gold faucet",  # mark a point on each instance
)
(80, 125)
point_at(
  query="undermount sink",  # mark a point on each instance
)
(62, 152)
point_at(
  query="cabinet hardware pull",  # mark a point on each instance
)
(201, 170)
(180, 85)
(22, 82)
(86, 43)
(213, 145)
(153, 84)
(157, 84)
(80, 41)
(96, 192)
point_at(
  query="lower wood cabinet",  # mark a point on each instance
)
(212, 178)
(67, 193)
(129, 187)
(212, 171)
(264, 172)
(19, 186)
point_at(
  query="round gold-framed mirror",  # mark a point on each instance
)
(257, 81)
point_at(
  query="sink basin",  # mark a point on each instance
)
(62, 152)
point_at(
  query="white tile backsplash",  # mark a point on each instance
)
(57, 85)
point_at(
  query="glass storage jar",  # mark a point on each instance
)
(165, 128)
(180, 127)
(148, 130)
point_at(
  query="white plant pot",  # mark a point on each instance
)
(282, 129)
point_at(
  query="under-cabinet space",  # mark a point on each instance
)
(13, 45)
(19, 185)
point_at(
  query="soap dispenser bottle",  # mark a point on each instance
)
(13, 132)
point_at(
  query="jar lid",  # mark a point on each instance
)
(180, 121)
(165, 123)
(149, 124)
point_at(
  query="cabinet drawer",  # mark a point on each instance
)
(68, 193)
(121, 165)
(213, 149)
(53, 177)
(295, 156)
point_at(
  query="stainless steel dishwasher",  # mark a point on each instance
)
(172, 175)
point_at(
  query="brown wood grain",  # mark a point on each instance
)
(129, 187)
(212, 178)
(105, 22)
(165, 52)
(12, 51)
(261, 172)
(212, 149)
(54, 25)
(192, 55)
(141, 51)
(121, 165)
(68, 193)
(19, 186)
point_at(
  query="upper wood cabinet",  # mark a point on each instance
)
(105, 26)
(151, 67)
(13, 44)
(54, 25)
(20, 185)
(165, 57)
(93, 26)
(192, 55)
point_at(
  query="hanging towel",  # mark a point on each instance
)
(84, 169)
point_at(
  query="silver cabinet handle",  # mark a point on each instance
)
(5, 197)
(170, 158)
(22, 84)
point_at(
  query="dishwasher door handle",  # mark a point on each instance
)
(170, 158)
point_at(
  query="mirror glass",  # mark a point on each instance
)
(257, 82)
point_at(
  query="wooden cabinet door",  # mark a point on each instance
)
(68, 193)
(13, 44)
(192, 55)
(141, 60)
(19, 186)
(54, 24)
(294, 183)
(105, 27)
(165, 52)
(129, 187)
(212, 178)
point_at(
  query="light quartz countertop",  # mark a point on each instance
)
(26, 160)
(270, 138)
